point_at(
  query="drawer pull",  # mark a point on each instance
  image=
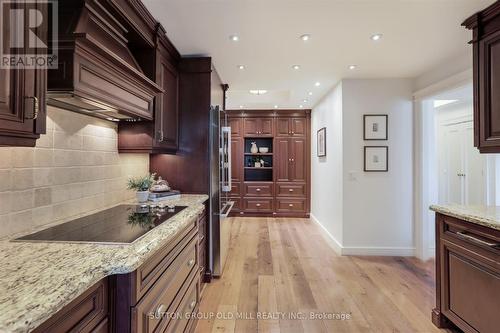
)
(290, 190)
(290, 205)
(160, 310)
(191, 263)
(477, 240)
(258, 190)
(192, 305)
(258, 205)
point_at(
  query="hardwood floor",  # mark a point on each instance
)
(281, 268)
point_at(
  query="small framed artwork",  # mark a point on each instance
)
(322, 142)
(376, 158)
(375, 126)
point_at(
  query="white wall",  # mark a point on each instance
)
(375, 212)
(326, 172)
(378, 206)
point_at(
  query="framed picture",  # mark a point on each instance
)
(375, 126)
(376, 158)
(322, 142)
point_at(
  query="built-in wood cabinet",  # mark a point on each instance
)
(22, 90)
(258, 127)
(467, 276)
(282, 186)
(486, 67)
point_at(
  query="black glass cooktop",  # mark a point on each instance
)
(121, 225)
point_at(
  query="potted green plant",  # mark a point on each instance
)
(141, 185)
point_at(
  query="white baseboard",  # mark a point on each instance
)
(363, 251)
(379, 251)
(334, 243)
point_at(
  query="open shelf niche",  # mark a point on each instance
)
(264, 173)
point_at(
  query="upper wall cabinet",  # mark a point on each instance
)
(259, 127)
(22, 92)
(486, 56)
(161, 134)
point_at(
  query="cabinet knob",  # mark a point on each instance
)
(160, 310)
(290, 190)
(290, 205)
(258, 205)
(192, 304)
(191, 263)
(258, 190)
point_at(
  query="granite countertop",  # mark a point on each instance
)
(488, 216)
(39, 279)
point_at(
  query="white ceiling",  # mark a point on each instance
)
(417, 36)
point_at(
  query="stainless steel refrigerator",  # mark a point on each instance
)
(220, 186)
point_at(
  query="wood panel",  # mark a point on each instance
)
(251, 126)
(288, 265)
(283, 127)
(236, 125)
(291, 190)
(299, 126)
(266, 127)
(258, 205)
(299, 160)
(237, 150)
(282, 161)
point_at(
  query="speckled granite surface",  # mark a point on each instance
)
(39, 279)
(488, 216)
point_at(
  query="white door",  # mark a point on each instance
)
(462, 168)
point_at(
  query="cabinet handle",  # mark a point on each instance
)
(290, 205)
(290, 190)
(258, 190)
(36, 107)
(160, 310)
(192, 304)
(258, 205)
(191, 262)
(477, 240)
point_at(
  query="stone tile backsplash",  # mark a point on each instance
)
(75, 168)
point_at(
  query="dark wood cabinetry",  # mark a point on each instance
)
(22, 93)
(486, 57)
(467, 276)
(282, 186)
(161, 134)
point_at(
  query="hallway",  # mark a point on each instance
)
(283, 268)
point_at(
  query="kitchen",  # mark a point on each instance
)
(140, 185)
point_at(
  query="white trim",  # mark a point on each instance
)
(363, 251)
(379, 251)
(335, 244)
(455, 81)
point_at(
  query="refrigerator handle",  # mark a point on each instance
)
(226, 160)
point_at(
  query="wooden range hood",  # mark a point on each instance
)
(97, 72)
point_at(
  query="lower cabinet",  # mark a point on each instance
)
(162, 295)
(467, 276)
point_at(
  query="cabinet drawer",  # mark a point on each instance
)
(290, 205)
(258, 205)
(472, 298)
(291, 190)
(83, 314)
(159, 298)
(259, 189)
(188, 306)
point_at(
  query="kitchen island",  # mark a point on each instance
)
(467, 268)
(38, 280)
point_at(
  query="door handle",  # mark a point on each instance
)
(36, 107)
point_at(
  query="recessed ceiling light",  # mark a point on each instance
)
(317, 84)
(241, 67)
(305, 37)
(296, 67)
(305, 101)
(234, 38)
(310, 93)
(301, 106)
(351, 67)
(275, 106)
(376, 37)
(258, 92)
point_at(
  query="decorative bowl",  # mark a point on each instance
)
(264, 150)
